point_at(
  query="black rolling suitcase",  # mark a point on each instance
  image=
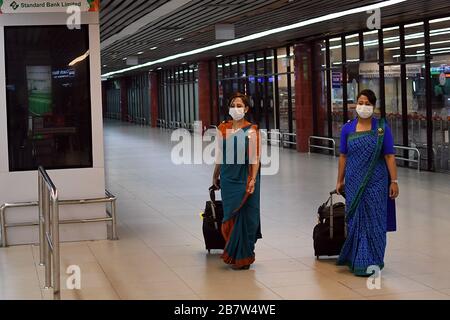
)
(330, 233)
(212, 222)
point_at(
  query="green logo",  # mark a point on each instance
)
(14, 5)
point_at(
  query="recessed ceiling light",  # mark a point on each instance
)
(104, 65)
(184, 63)
(140, 52)
(154, 48)
(219, 56)
(179, 39)
(124, 59)
(159, 68)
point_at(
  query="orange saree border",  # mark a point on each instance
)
(227, 229)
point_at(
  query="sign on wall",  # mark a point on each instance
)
(372, 70)
(336, 78)
(33, 6)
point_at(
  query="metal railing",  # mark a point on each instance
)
(288, 141)
(111, 215)
(419, 158)
(333, 142)
(49, 232)
(275, 137)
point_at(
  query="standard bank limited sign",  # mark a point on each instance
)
(33, 6)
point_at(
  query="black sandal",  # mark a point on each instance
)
(246, 267)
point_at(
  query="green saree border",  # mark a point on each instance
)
(354, 135)
(361, 272)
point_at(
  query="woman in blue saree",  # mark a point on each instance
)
(238, 166)
(368, 175)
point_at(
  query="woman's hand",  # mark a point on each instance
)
(340, 187)
(393, 190)
(251, 186)
(216, 175)
(216, 182)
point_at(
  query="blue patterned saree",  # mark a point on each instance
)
(241, 224)
(366, 190)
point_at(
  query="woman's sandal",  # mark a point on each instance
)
(240, 267)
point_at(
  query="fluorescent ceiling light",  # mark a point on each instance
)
(140, 52)
(79, 59)
(178, 39)
(440, 20)
(432, 50)
(391, 29)
(370, 32)
(414, 25)
(352, 36)
(259, 35)
(409, 55)
(419, 45)
(441, 52)
(153, 48)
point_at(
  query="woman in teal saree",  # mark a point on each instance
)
(367, 163)
(238, 166)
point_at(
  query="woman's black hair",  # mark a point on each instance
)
(241, 96)
(370, 96)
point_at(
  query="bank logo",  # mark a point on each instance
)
(14, 5)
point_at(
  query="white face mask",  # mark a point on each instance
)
(237, 113)
(364, 111)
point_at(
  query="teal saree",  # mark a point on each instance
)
(241, 225)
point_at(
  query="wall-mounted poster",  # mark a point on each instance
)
(32, 6)
(39, 79)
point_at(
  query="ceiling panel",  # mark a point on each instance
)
(195, 21)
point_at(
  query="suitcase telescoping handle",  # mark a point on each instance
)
(332, 193)
(212, 196)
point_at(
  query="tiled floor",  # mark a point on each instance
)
(160, 254)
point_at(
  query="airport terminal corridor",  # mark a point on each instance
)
(161, 253)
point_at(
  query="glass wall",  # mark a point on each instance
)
(178, 96)
(393, 62)
(113, 110)
(48, 97)
(267, 77)
(139, 99)
(440, 92)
